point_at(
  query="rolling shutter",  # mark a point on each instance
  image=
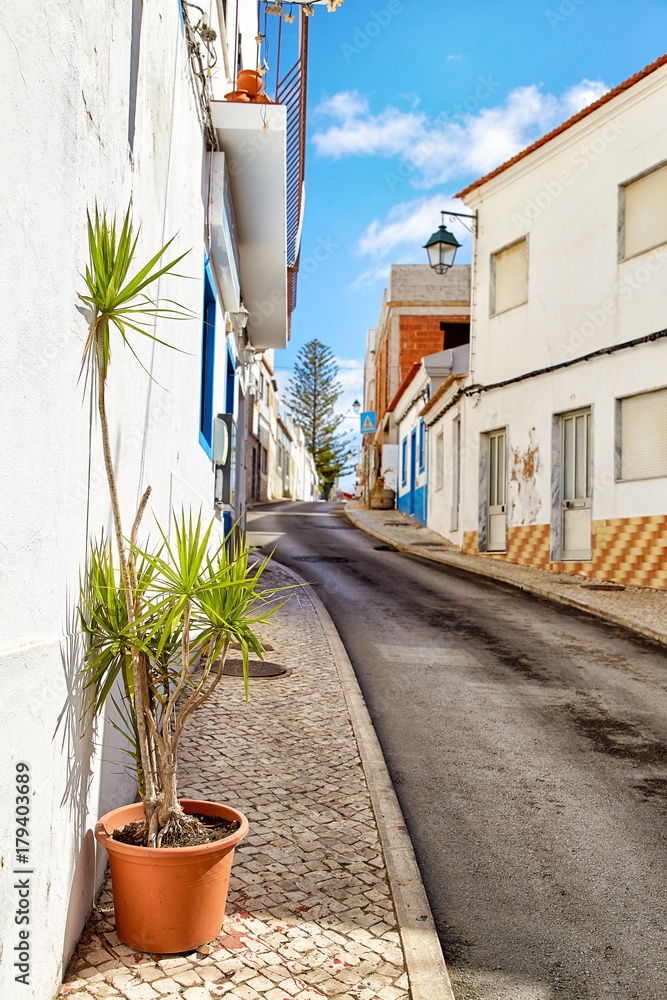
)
(510, 277)
(646, 212)
(644, 435)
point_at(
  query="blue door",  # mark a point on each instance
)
(413, 470)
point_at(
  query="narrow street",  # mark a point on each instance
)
(528, 747)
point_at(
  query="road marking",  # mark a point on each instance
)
(260, 538)
(428, 655)
(253, 514)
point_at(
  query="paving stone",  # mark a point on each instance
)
(141, 992)
(150, 972)
(187, 978)
(261, 984)
(102, 991)
(166, 986)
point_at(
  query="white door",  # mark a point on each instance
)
(577, 486)
(496, 540)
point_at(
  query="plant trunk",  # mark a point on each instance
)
(139, 707)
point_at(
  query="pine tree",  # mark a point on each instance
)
(312, 394)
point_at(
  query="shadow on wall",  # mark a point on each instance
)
(77, 729)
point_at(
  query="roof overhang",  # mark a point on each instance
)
(253, 139)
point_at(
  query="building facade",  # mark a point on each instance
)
(555, 447)
(131, 120)
(421, 384)
(421, 313)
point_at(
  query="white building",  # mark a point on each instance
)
(422, 382)
(554, 451)
(104, 105)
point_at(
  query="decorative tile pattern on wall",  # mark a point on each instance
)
(625, 550)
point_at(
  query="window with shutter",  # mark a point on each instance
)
(644, 208)
(509, 284)
(644, 435)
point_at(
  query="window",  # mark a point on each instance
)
(404, 462)
(207, 366)
(643, 213)
(455, 334)
(643, 426)
(439, 460)
(264, 461)
(422, 455)
(509, 277)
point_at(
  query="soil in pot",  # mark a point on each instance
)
(208, 830)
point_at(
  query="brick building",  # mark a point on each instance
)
(422, 313)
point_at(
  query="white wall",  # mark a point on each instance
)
(63, 147)
(564, 197)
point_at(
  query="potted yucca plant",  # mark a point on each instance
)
(159, 624)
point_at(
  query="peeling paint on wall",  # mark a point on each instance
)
(525, 503)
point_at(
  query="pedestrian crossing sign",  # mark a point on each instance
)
(368, 422)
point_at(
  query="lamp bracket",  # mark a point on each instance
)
(458, 215)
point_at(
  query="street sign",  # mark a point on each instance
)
(368, 422)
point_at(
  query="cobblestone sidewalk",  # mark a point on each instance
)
(309, 912)
(642, 609)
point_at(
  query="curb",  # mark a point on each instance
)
(425, 965)
(528, 588)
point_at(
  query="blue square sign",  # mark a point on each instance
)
(368, 422)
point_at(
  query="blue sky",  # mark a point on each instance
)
(410, 100)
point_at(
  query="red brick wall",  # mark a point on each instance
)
(382, 381)
(418, 336)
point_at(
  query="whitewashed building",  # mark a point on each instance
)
(423, 381)
(553, 452)
(115, 104)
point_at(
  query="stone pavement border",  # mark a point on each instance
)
(427, 972)
(644, 610)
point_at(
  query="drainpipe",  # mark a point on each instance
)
(223, 38)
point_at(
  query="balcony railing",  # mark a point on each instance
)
(291, 91)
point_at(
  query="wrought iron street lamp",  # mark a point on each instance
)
(356, 406)
(442, 245)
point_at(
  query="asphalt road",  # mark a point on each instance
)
(527, 743)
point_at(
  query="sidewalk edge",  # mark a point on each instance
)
(424, 961)
(487, 571)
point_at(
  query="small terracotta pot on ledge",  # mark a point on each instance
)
(238, 97)
(250, 81)
(169, 899)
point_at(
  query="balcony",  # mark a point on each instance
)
(264, 159)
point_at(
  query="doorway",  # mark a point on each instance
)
(576, 486)
(496, 510)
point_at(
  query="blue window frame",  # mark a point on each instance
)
(231, 381)
(404, 462)
(422, 450)
(207, 365)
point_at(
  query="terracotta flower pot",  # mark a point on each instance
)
(250, 81)
(169, 899)
(261, 99)
(238, 97)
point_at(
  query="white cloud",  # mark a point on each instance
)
(439, 150)
(405, 223)
(389, 133)
(400, 236)
(370, 277)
